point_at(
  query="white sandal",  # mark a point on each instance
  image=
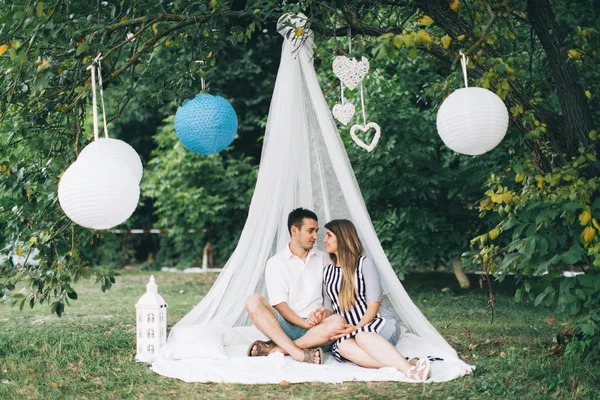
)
(415, 373)
(424, 365)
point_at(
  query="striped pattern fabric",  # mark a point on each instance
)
(332, 280)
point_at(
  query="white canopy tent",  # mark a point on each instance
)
(303, 164)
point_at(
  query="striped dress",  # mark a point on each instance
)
(332, 280)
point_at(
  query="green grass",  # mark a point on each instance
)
(89, 352)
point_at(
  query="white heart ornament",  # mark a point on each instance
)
(343, 112)
(370, 125)
(350, 71)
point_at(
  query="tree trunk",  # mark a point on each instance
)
(207, 257)
(462, 278)
(577, 122)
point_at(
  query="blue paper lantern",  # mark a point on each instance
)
(206, 124)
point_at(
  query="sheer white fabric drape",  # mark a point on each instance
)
(303, 164)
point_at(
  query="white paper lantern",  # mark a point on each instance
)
(472, 121)
(114, 149)
(98, 193)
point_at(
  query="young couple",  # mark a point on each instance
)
(329, 301)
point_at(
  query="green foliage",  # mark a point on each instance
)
(191, 191)
(46, 48)
(550, 209)
(548, 222)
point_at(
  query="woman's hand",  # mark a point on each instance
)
(346, 329)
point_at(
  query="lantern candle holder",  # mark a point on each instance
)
(151, 323)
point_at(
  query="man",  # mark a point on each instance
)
(295, 320)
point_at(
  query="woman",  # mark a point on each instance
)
(351, 288)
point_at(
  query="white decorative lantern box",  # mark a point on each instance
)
(151, 323)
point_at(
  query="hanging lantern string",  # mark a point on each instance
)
(202, 83)
(362, 105)
(349, 40)
(362, 95)
(96, 64)
(94, 102)
(464, 61)
(102, 96)
(349, 51)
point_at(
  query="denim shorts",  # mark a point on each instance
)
(295, 332)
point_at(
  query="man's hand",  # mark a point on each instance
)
(346, 329)
(316, 317)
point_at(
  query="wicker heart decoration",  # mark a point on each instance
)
(343, 112)
(370, 125)
(350, 71)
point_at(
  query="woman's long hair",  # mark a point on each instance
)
(349, 251)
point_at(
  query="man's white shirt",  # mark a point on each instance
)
(298, 283)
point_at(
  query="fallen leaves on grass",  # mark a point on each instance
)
(556, 350)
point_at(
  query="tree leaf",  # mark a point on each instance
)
(572, 206)
(83, 47)
(425, 38)
(494, 233)
(413, 53)
(545, 215)
(508, 260)
(573, 255)
(540, 298)
(574, 54)
(39, 8)
(60, 308)
(425, 20)
(529, 248)
(588, 329)
(446, 40)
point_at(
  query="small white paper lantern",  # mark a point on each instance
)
(114, 149)
(472, 120)
(151, 323)
(97, 193)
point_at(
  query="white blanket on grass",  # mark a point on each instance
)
(218, 354)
